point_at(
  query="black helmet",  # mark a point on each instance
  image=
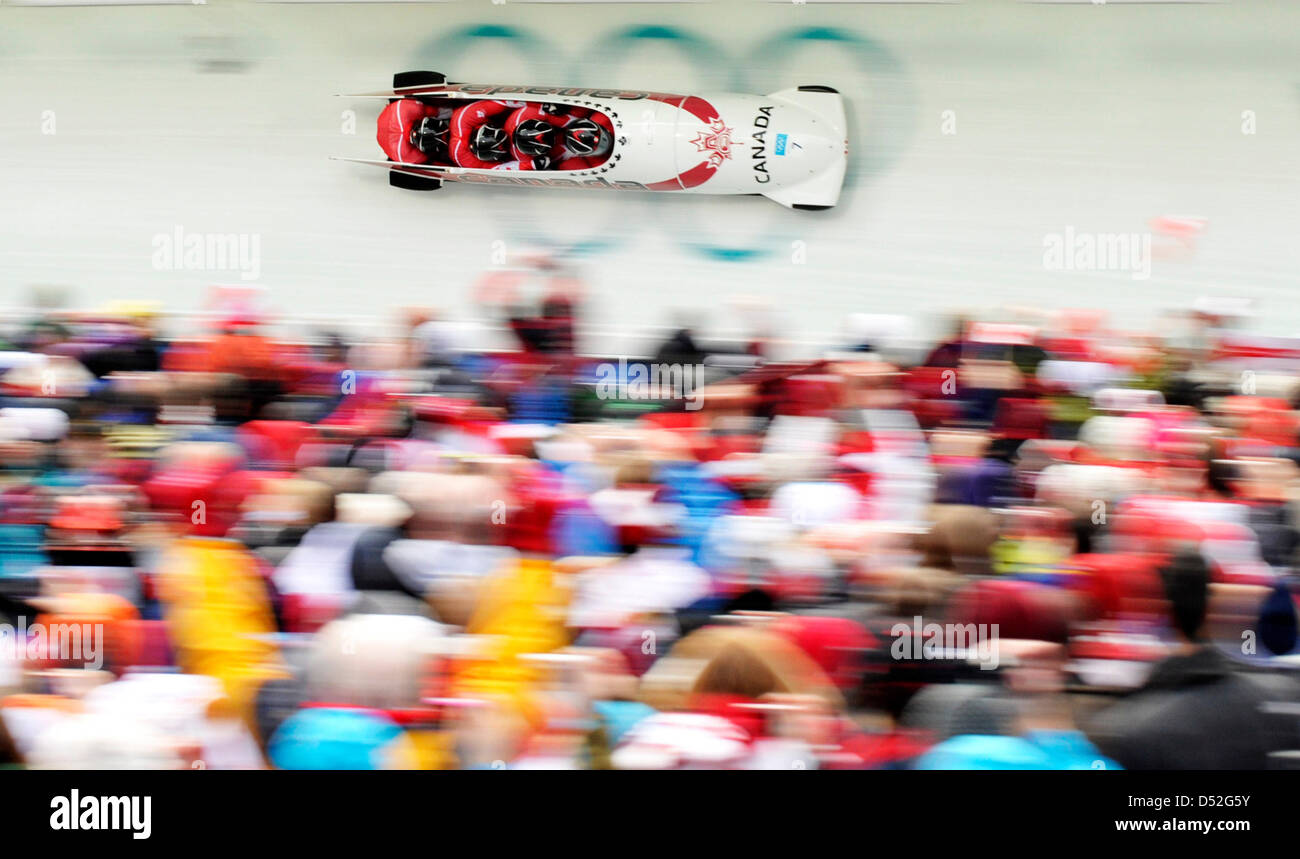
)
(585, 138)
(430, 135)
(534, 137)
(489, 143)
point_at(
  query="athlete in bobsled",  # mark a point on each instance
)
(478, 136)
(588, 139)
(535, 136)
(544, 137)
(507, 135)
(430, 136)
(415, 133)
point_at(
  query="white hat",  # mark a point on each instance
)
(676, 740)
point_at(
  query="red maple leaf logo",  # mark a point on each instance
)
(716, 141)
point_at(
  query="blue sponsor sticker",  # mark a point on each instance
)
(780, 144)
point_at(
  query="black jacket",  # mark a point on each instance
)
(1199, 711)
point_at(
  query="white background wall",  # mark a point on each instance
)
(220, 118)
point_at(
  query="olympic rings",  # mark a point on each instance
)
(874, 147)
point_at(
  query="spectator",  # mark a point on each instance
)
(1197, 710)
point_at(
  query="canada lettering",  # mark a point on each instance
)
(759, 146)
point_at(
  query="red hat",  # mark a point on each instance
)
(1020, 609)
(1118, 583)
(834, 643)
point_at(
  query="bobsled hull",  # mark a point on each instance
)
(790, 146)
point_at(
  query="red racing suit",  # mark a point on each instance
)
(396, 121)
(468, 119)
(533, 110)
(566, 159)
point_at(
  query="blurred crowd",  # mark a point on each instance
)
(1045, 544)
